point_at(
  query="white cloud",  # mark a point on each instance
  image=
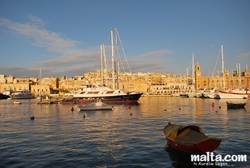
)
(36, 21)
(37, 35)
(150, 62)
(70, 58)
(156, 53)
(245, 55)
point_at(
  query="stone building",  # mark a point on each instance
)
(12, 83)
(45, 86)
(239, 80)
(149, 83)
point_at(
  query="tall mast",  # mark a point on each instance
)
(101, 63)
(193, 80)
(113, 62)
(222, 66)
(222, 59)
(117, 65)
(105, 65)
(239, 77)
(40, 76)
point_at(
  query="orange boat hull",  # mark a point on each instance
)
(206, 146)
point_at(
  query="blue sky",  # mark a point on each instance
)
(64, 36)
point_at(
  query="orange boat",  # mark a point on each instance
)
(190, 139)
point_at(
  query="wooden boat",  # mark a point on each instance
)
(190, 139)
(94, 107)
(231, 105)
(16, 102)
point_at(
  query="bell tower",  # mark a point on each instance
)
(198, 74)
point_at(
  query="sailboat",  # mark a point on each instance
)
(40, 97)
(92, 92)
(225, 94)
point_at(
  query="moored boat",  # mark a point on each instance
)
(211, 94)
(3, 96)
(22, 94)
(91, 93)
(231, 95)
(235, 105)
(190, 139)
(93, 107)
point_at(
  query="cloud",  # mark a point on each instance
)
(151, 61)
(37, 35)
(37, 22)
(78, 58)
(245, 55)
(156, 53)
(70, 59)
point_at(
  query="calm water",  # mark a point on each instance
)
(120, 138)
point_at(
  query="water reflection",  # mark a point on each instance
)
(124, 137)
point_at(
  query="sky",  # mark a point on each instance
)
(63, 37)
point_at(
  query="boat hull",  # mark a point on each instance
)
(22, 97)
(119, 99)
(228, 95)
(94, 108)
(235, 105)
(2, 96)
(206, 146)
(190, 139)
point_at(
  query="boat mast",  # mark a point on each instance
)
(222, 65)
(105, 65)
(239, 76)
(40, 76)
(113, 62)
(117, 65)
(193, 80)
(101, 49)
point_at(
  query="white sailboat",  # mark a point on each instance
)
(228, 94)
(95, 91)
(40, 97)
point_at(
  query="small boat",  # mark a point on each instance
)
(16, 102)
(190, 139)
(22, 94)
(231, 105)
(93, 107)
(3, 96)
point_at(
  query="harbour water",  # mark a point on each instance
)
(124, 137)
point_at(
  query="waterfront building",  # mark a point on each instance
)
(239, 80)
(39, 90)
(153, 83)
(15, 84)
(171, 84)
(46, 85)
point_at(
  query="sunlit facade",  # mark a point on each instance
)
(149, 83)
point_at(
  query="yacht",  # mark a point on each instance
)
(231, 95)
(106, 94)
(22, 94)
